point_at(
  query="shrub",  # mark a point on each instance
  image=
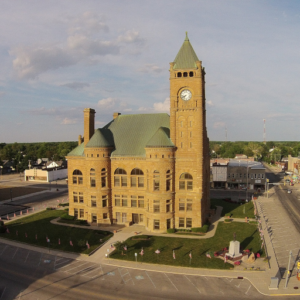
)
(63, 204)
(1, 223)
(202, 229)
(67, 217)
(83, 222)
(228, 215)
(2, 229)
(171, 230)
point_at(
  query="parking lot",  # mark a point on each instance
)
(116, 277)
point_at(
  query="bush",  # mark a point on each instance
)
(1, 223)
(171, 230)
(67, 217)
(63, 204)
(2, 229)
(202, 229)
(83, 222)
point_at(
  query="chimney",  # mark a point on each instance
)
(116, 114)
(79, 140)
(89, 124)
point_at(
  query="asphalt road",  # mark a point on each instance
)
(28, 274)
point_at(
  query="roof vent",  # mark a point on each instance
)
(116, 114)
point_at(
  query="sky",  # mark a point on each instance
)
(59, 57)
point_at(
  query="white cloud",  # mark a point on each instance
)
(76, 85)
(209, 103)
(68, 121)
(107, 103)
(218, 125)
(162, 106)
(150, 68)
(131, 37)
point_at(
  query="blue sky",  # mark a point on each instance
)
(58, 57)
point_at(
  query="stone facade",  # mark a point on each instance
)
(168, 185)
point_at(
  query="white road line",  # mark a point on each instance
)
(229, 279)
(192, 283)
(238, 286)
(150, 279)
(76, 267)
(80, 271)
(15, 252)
(171, 282)
(65, 261)
(205, 277)
(124, 275)
(248, 289)
(27, 257)
(3, 249)
(3, 293)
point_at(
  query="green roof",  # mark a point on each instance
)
(186, 57)
(101, 138)
(78, 151)
(132, 133)
(161, 138)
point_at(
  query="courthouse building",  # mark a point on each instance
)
(149, 169)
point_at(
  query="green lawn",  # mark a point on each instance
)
(39, 224)
(247, 234)
(236, 210)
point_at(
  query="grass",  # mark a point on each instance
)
(245, 233)
(39, 224)
(236, 210)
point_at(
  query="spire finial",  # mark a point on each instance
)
(186, 36)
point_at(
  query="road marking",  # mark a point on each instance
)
(192, 283)
(150, 279)
(80, 271)
(3, 249)
(229, 279)
(75, 267)
(248, 289)
(3, 293)
(124, 275)
(27, 257)
(171, 282)
(15, 252)
(65, 260)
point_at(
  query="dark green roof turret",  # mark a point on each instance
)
(101, 138)
(161, 138)
(78, 151)
(186, 57)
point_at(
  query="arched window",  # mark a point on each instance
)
(137, 178)
(103, 178)
(156, 180)
(185, 74)
(179, 74)
(185, 181)
(77, 177)
(120, 177)
(92, 178)
(168, 181)
(191, 74)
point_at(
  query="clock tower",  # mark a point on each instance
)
(189, 135)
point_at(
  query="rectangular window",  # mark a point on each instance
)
(262, 176)
(156, 208)
(251, 176)
(191, 145)
(233, 175)
(141, 201)
(75, 197)
(93, 182)
(117, 200)
(104, 202)
(94, 218)
(104, 216)
(74, 180)
(182, 185)
(140, 181)
(245, 175)
(80, 180)
(189, 185)
(155, 224)
(156, 184)
(182, 206)
(188, 222)
(76, 213)
(124, 200)
(190, 133)
(117, 181)
(228, 175)
(133, 201)
(93, 203)
(255, 175)
(118, 217)
(141, 218)
(124, 180)
(189, 206)
(240, 175)
(80, 197)
(258, 176)
(133, 181)
(81, 213)
(124, 217)
(103, 181)
(168, 206)
(181, 222)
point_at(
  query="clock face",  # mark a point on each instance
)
(186, 95)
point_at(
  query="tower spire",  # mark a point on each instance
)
(186, 36)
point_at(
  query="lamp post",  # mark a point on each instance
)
(247, 183)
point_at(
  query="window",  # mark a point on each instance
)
(133, 201)
(117, 200)
(185, 74)
(245, 175)
(141, 218)
(80, 197)
(75, 197)
(251, 176)
(191, 74)
(141, 201)
(94, 218)
(258, 176)
(191, 145)
(168, 181)
(103, 178)
(190, 123)
(124, 217)
(188, 222)
(181, 145)
(76, 213)
(255, 175)
(81, 213)
(104, 201)
(185, 181)
(189, 205)
(92, 155)
(105, 216)
(262, 176)
(93, 203)
(181, 204)
(168, 205)
(120, 177)
(228, 175)
(240, 175)
(156, 206)
(181, 222)
(137, 178)
(156, 181)
(232, 175)
(191, 134)
(124, 200)
(179, 74)
(77, 177)
(155, 224)
(92, 178)
(181, 134)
